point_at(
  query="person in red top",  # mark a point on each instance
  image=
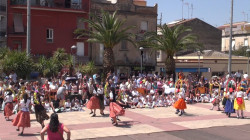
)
(55, 129)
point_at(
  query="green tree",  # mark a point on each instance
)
(88, 68)
(171, 40)
(18, 62)
(108, 31)
(241, 52)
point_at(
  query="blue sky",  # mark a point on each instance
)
(214, 12)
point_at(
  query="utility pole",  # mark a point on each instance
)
(230, 47)
(28, 29)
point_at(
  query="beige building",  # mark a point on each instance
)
(240, 34)
(211, 63)
(136, 13)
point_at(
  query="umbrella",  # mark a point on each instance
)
(71, 79)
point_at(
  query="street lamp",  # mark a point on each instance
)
(248, 51)
(199, 69)
(73, 48)
(141, 48)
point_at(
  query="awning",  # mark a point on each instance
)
(192, 69)
(18, 23)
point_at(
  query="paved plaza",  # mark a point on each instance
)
(160, 123)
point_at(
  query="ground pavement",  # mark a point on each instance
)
(160, 123)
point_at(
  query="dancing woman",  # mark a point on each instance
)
(23, 117)
(40, 110)
(94, 102)
(229, 106)
(239, 104)
(180, 105)
(8, 104)
(114, 108)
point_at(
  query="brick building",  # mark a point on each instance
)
(128, 57)
(3, 23)
(52, 25)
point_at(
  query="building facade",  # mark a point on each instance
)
(240, 36)
(128, 57)
(52, 25)
(3, 23)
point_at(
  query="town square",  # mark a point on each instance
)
(124, 69)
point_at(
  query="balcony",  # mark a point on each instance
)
(65, 4)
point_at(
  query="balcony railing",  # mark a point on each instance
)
(73, 4)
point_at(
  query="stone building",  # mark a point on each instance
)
(144, 18)
(3, 23)
(208, 36)
(240, 34)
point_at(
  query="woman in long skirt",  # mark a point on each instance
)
(114, 108)
(239, 104)
(40, 110)
(23, 117)
(94, 102)
(229, 107)
(100, 92)
(8, 108)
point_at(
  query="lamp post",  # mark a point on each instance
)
(73, 48)
(141, 48)
(248, 51)
(199, 68)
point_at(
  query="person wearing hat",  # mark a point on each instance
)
(180, 105)
(239, 104)
(229, 106)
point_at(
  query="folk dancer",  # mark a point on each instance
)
(114, 108)
(215, 100)
(180, 104)
(40, 111)
(23, 117)
(8, 108)
(94, 102)
(239, 104)
(229, 106)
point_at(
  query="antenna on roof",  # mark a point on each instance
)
(244, 14)
(188, 8)
(182, 9)
(192, 9)
(160, 19)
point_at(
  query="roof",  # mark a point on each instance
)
(234, 24)
(178, 22)
(212, 53)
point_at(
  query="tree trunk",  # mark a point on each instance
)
(108, 61)
(170, 66)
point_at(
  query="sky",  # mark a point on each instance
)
(214, 12)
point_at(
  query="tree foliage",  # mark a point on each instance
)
(16, 61)
(88, 68)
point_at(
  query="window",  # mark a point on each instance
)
(124, 45)
(101, 53)
(158, 54)
(18, 23)
(80, 48)
(80, 23)
(99, 17)
(233, 45)
(144, 26)
(50, 35)
(246, 42)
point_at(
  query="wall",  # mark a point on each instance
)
(63, 23)
(3, 23)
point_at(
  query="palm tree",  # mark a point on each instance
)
(109, 32)
(170, 40)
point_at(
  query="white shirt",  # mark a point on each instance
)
(111, 96)
(53, 87)
(135, 93)
(25, 106)
(230, 96)
(239, 94)
(140, 104)
(47, 106)
(9, 98)
(67, 104)
(245, 76)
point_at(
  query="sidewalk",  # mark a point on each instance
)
(141, 122)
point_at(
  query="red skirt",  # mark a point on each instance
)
(8, 109)
(93, 103)
(180, 104)
(115, 110)
(22, 119)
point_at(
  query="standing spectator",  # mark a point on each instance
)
(55, 129)
(13, 76)
(245, 76)
(238, 76)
